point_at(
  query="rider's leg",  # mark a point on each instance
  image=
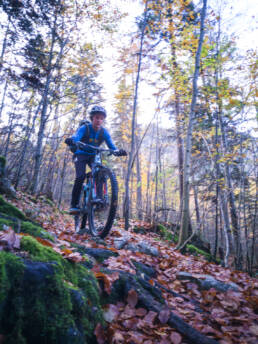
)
(80, 166)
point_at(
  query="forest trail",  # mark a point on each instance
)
(200, 302)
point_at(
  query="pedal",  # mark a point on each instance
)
(74, 211)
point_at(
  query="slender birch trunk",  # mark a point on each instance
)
(183, 235)
(131, 154)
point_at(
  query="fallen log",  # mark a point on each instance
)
(150, 297)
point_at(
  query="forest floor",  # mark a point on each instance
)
(226, 317)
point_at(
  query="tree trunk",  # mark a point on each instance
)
(231, 198)
(63, 178)
(3, 98)
(148, 192)
(27, 136)
(139, 187)
(43, 119)
(130, 160)
(45, 102)
(183, 235)
(197, 210)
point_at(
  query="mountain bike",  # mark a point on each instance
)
(99, 197)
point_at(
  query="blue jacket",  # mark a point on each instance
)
(93, 139)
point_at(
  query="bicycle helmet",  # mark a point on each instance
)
(97, 109)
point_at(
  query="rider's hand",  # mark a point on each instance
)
(69, 141)
(120, 152)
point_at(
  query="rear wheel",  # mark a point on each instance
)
(103, 211)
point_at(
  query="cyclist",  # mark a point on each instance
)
(94, 134)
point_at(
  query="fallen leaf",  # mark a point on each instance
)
(254, 329)
(9, 240)
(165, 341)
(127, 313)
(111, 313)
(140, 312)
(164, 316)
(175, 338)
(150, 317)
(130, 324)
(151, 282)
(100, 334)
(118, 338)
(132, 298)
(66, 251)
(75, 257)
(104, 278)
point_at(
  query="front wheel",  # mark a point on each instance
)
(102, 212)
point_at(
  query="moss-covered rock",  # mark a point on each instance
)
(196, 251)
(7, 222)
(24, 226)
(46, 299)
(10, 210)
(35, 230)
(164, 232)
(139, 230)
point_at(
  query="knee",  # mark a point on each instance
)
(79, 180)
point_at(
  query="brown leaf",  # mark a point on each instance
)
(140, 312)
(9, 240)
(254, 329)
(128, 313)
(45, 242)
(111, 313)
(100, 334)
(66, 251)
(118, 338)
(137, 337)
(152, 282)
(104, 278)
(175, 338)
(132, 298)
(150, 317)
(75, 257)
(130, 324)
(164, 316)
(165, 341)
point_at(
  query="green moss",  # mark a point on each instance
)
(164, 232)
(175, 239)
(25, 227)
(5, 222)
(11, 210)
(37, 231)
(11, 270)
(139, 230)
(56, 300)
(39, 252)
(195, 251)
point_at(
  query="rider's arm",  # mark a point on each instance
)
(79, 133)
(108, 140)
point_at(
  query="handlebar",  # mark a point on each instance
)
(83, 146)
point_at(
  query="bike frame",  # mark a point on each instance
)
(90, 187)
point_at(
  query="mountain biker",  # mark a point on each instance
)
(88, 133)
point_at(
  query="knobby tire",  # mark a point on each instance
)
(110, 180)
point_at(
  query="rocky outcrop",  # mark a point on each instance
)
(45, 298)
